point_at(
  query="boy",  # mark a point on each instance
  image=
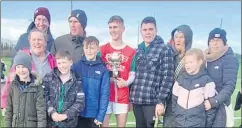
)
(63, 91)
(190, 91)
(95, 78)
(25, 103)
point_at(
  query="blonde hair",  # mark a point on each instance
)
(198, 53)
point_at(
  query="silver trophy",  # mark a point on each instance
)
(115, 60)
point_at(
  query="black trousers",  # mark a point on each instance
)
(144, 115)
(86, 123)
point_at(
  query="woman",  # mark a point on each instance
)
(222, 67)
(181, 42)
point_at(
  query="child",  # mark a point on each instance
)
(95, 78)
(190, 91)
(63, 91)
(25, 102)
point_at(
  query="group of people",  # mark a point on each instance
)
(73, 82)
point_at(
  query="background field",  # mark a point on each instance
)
(131, 119)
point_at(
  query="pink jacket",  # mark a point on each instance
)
(11, 75)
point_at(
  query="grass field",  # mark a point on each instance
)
(131, 116)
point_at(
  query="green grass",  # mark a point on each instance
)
(131, 116)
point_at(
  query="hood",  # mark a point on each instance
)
(229, 51)
(157, 40)
(34, 79)
(32, 25)
(96, 62)
(187, 33)
(202, 72)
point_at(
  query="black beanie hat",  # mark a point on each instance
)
(218, 33)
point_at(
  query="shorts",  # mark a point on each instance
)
(117, 108)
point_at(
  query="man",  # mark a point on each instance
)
(118, 59)
(154, 75)
(41, 22)
(73, 42)
(42, 61)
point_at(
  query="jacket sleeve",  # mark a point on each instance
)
(210, 92)
(175, 92)
(167, 71)
(53, 47)
(50, 108)
(210, 117)
(41, 108)
(79, 104)
(9, 109)
(104, 96)
(230, 70)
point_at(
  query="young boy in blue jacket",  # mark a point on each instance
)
(95, 81)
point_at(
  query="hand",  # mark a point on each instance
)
(130, 108)
(112, 79)
(97, 122)
(207, 105)
(62, 117)
(121, 83)
(55, 117)
(159, 110)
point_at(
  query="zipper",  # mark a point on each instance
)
(190, 81)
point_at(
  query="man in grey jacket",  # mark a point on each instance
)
(72, 42)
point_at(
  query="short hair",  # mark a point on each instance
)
(116, 18)
(197, 52)
(37, 30)
(62, 53)
(148, 19)
(91, 40)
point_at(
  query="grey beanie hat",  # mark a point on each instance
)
(23, 59)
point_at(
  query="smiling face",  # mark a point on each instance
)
(37, 42)
(116, 30)
(64, 65)
(216, 44)
(41, 23)
(148, 32)
(22, 72)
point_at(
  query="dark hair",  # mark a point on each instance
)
(91, 40)
(60, 54)
(116, 18)
(148, 19)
